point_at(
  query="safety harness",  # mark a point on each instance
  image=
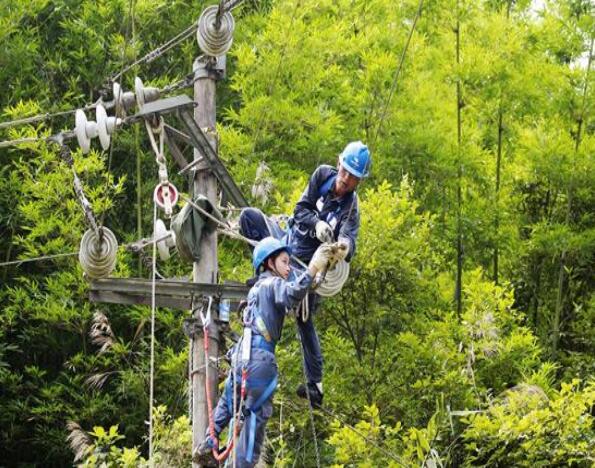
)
(261, 340)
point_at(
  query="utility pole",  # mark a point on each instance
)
(205, 271)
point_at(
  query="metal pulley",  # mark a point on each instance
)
(166, 196)
(97, 256)
(165, 239)
(333, 280)
(215, 34)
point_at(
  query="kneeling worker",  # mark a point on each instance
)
(269, 300)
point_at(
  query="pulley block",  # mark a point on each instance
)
(166, 196)
(98, 256)
(166, 239)
(333, 280)
(215, 39)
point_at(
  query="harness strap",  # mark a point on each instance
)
(253, 409)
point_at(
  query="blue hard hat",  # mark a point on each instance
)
(265, 248)
(356, 159)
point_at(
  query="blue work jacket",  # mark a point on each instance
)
(271, 298)
(318, 202)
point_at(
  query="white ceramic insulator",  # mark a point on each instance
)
(215, 41)
(105, 126)
(165, 244)
(144, 94)
(85, 130)
(98, 258)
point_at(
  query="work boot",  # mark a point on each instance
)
(203, 454)
(315, 394)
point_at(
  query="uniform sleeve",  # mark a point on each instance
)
(288, 294)
(305, 213)
(350, 228)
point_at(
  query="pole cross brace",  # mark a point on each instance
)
(168, 293)
(200, 141)
(184, 108)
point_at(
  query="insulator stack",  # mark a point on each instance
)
(215, 41)
(97, 256)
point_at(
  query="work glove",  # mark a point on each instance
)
(321, 257)
(342, 249)
(324, 233)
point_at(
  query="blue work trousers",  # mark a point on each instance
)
(255, 225)
(262, 370)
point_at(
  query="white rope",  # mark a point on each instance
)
(190, 370)
(314, 438)
(226, 229)
(233, 438)
(152, 371)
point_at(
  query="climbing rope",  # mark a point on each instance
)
(343, 421)
(152, 359)
(311, 411)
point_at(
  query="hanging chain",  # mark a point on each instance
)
(66, 156)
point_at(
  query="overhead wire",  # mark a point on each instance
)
(398, 70)
(270, 87)
(343, 421)
(129, 27)
(147, 58)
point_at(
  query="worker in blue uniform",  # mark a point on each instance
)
(269, 300)
(326, 212)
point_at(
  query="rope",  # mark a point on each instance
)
(206, 320)
(152, 371)
(225, 229)
(398, 71)
(334, 415)
(311, 411)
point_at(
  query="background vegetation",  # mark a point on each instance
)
(506, 379)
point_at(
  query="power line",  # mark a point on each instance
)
(272, 82)
(398, 71)
(38, 259)
(147, 58)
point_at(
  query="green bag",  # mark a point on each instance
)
(189, 226)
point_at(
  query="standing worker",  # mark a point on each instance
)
(327, 211)
(269, 300)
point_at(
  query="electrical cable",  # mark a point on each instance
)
(398, 71)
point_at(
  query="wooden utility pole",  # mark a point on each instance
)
(205, 271)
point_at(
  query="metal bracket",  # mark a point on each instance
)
(175, 150)
(168, 293)
(192, 327)
(165, 106)
(201, 142)
(210, 67)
